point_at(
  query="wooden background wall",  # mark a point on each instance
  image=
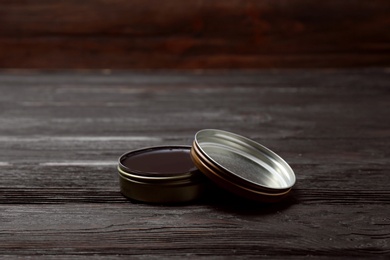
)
(201, 34)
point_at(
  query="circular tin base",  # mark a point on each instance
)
(162, 174)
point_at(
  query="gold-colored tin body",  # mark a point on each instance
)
(172, 188)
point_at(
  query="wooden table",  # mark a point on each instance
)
(61, 134)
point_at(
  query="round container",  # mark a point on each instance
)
(242, 166)
(161, 174)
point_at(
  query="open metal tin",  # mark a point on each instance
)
(173, 174)
(242, 166)
(161, 174)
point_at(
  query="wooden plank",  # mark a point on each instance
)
(287, 105)
(61, 134)
(193, 34)
(139, 230)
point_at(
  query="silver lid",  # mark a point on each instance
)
(241, 165)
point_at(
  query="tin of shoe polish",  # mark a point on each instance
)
(161, 174)
(242, 166)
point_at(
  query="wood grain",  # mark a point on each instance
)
(61, 134)
(75, 229)
(193, 34)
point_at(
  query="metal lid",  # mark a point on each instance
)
(241, 165)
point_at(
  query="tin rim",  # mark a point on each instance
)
(156, 180)
(273, 177)
(235, 188)
(148, 176)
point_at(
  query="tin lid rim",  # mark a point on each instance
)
(240, 190)
(156, 179)
(213, 169)
(232, 175)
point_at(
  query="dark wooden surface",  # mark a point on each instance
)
(194, 34)
(61, 134)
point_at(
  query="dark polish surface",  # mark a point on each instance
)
(164, 160)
